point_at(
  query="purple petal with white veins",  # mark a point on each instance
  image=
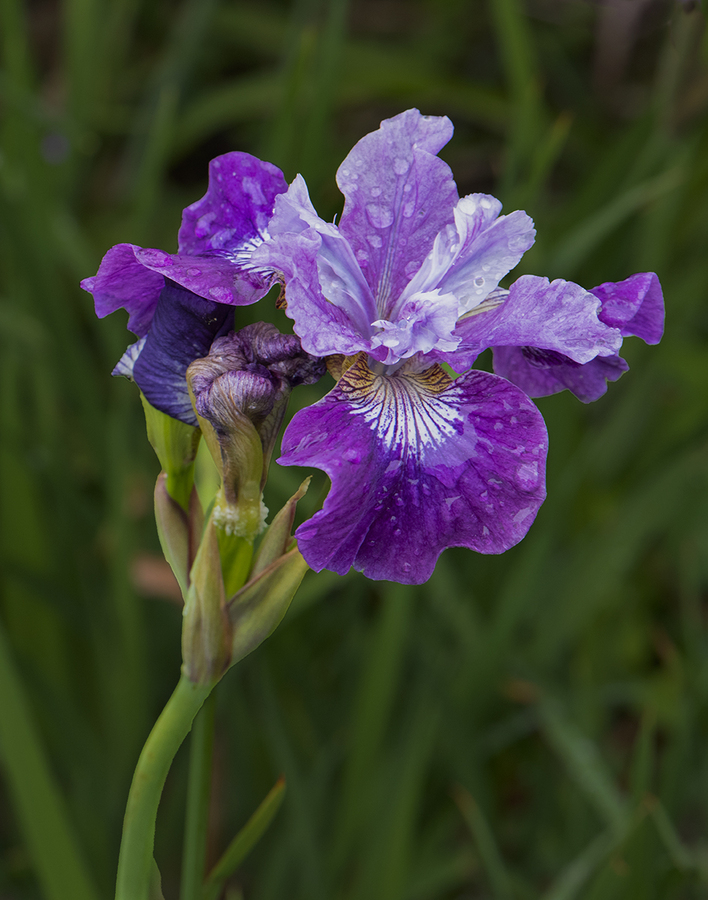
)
(559, 316)
(469, 258)
(313, 256)
(399, 195)
(122, 282)
(236, 207)
(635, 306)
(540, 373)
(183, 329)
(418, 463)
(216, 278)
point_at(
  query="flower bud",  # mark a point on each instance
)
(240, 393)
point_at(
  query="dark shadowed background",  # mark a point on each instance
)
(532, 725)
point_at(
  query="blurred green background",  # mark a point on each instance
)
(533, 725)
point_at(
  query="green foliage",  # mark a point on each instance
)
(524, 726)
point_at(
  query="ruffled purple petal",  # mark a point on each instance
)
(540, 373)
(399, 195)
(235, 209)
(558, 316)
(122, 282)
(418, 463)
(183, 329)
(635, 306)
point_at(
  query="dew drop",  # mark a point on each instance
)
(375, 191)
(193, 272)
(408, 209)
(379, 216)
(156, 258)
(518, 242)
(397, 532)
(479, 281)
(400, 165)
(485, 204)
(406, 566)
(374, 240)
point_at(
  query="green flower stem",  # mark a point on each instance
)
(136, 851)
(198, 785)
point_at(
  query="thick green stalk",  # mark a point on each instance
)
(198, 785)
(175, 722)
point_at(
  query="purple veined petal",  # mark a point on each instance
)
(418, 463)
(635, 306)
(216, 278)
(558, 316)
(469, 258)
(426, 320)
(398, 196)
(540, 373)
(183, 329)
(341, 280)
(236, 207)
(122, 282)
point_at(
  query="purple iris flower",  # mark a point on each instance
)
(410, 278)
(179, 303)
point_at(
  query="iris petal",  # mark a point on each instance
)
(635, 306)
(122, 282)
(559, 316)
(539, 376)
(399, 195)
(236, 207)
(182, 330)
(418, 463)
(469, 258)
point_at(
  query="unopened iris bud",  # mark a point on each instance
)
(240, 392)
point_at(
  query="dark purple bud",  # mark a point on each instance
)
(240, 393)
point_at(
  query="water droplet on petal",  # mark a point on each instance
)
(193, 271)
(374, 240)
(156, 258)
(375, 191)
(408, 209)
(518, 242)
(400, 165)
(479, 281)
(379, 216)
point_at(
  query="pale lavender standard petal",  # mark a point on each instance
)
(469, 259)
(418, 463)
(635, 306)
(122, 282)
(398, 196)
(559, 316)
